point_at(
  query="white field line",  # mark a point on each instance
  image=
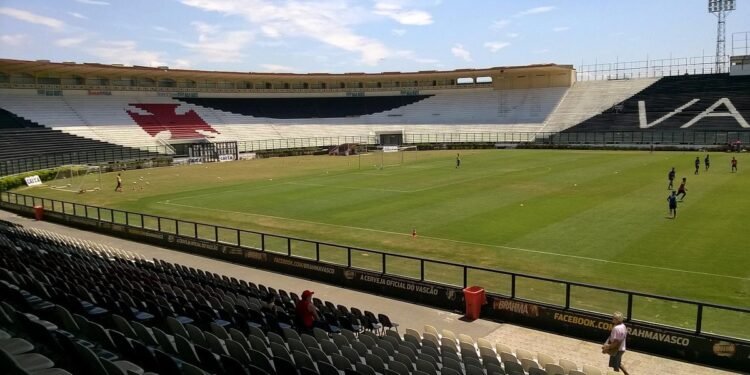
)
(518, 249)
(373, 174)
(226, 191)
(348, 187)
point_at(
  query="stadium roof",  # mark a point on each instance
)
(48, 68)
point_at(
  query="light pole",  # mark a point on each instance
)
(721, 8)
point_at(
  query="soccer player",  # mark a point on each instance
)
(697, 164)
(672, 199)
(118, 188)
(682, 189)
(458, 160)
(707, 162)
(734, 164)
(670, 176)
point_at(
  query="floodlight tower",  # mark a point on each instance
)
(720, 8)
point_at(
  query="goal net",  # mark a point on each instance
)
(388, 157)
(77, 178)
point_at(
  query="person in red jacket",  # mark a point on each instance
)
(306, 311)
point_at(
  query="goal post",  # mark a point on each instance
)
(388, 157)
(77, 178)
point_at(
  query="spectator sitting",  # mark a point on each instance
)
(306, 312)
(268, 304)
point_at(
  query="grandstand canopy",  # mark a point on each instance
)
(71, 73)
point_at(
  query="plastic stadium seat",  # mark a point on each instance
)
(318, 355)
(426, 367)
(15, 346)
(364, 369)
(340, 362)
(529, 364)
(260, 360)
(553, 369)
(544, 359)
(280, 351)
(238, 352)
(568, 365)
(399, 368)
(431, 330)
(350, 354)
(329, 347)
(303, 360)
(185, 350)
(325, 368)
(385, 320)
(375, 362)
(499, 348)
(284, 366)
(29, 362)
(513, 368)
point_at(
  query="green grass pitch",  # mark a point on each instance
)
(597, 217)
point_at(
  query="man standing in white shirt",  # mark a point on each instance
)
(615, 344)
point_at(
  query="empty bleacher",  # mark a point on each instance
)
(21, 139)
(117, 118)
(672, 103)
(88, 308)
(164, 117)
(587, 99)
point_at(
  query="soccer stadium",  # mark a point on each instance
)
(473, 221)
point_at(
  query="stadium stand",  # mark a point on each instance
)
(163, 117)
(586, 99)
(21, 138)
(88, 308)
(681, 99)
(136, 121)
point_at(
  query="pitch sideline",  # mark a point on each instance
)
(467, 242)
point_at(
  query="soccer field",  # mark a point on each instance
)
(596, 217)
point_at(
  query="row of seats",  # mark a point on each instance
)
(587, 99)
(110, 312)
(136, 121)
(21, 138)
(681, 99)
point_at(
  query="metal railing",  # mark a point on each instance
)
(671, 137)
(672, 66)
(44, 161)
(695, 317)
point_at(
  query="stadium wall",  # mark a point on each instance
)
(680, 344)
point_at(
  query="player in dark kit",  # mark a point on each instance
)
(697, 164)
(458, 160)
(682, 189)
(707, 162)
(670, 176)
(734, 165)
(672, 199)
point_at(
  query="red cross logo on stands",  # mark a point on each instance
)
(164, 117)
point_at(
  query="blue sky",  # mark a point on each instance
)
(339, 36)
